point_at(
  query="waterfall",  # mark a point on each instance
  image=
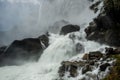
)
(24, 16)
(47, 13)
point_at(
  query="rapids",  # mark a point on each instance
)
(36, 17)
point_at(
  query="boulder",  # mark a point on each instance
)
(85, 57)
(86, 68)
(111, 51)
(71, 67)
(28, 49)
(93, 56)
(69, 28)
(104, 66)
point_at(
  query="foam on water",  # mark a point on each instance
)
(61, 47)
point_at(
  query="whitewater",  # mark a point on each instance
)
(61, 47)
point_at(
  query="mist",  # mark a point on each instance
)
(22, 18)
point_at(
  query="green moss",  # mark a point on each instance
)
(115, 71)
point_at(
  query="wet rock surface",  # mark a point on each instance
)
(112, 8)
(2, 49)
(94, 6)
(86, 66)
(104, 66)
(69, 28)
(28, 49)
(112, 51)
(101, 30)
(105, 28)
(93, 56)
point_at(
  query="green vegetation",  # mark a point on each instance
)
(115, 71)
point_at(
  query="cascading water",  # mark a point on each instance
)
(23, 16)
(61, 47)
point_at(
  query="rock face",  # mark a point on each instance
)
(111, 51)
(112, 8)
(70, 67)
(93, 56)
(102, 30)
(2, 49)
(90, 63)
(104, 66)
(94, 6)
(24, 50)
(69, 28)
(106, 27)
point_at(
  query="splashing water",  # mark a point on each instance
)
(24, 16)
(61, 47)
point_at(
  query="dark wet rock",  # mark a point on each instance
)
(86, 68)
(28, 49)
(105, 28)
(91, 28)
(93, 56)
(112, 37)
(102, 30)
(92, 61)
(67, 67)
(95, 10)
(112, 8)
(94, 6)
(86, 57)
(2, 49)
(70, 67)
(103, 67)
(111, 51)
(73, 71)
(44, 39)
(103, 22)
(73, 66)
(69, 28)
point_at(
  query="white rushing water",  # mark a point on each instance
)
(24, 16)
(46, 14)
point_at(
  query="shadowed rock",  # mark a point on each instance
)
(104, 66)
(105, 28)
(93, 56)
(69, 28)
(91, 62)
(111, 51)
(28, 49)
(2, 49)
